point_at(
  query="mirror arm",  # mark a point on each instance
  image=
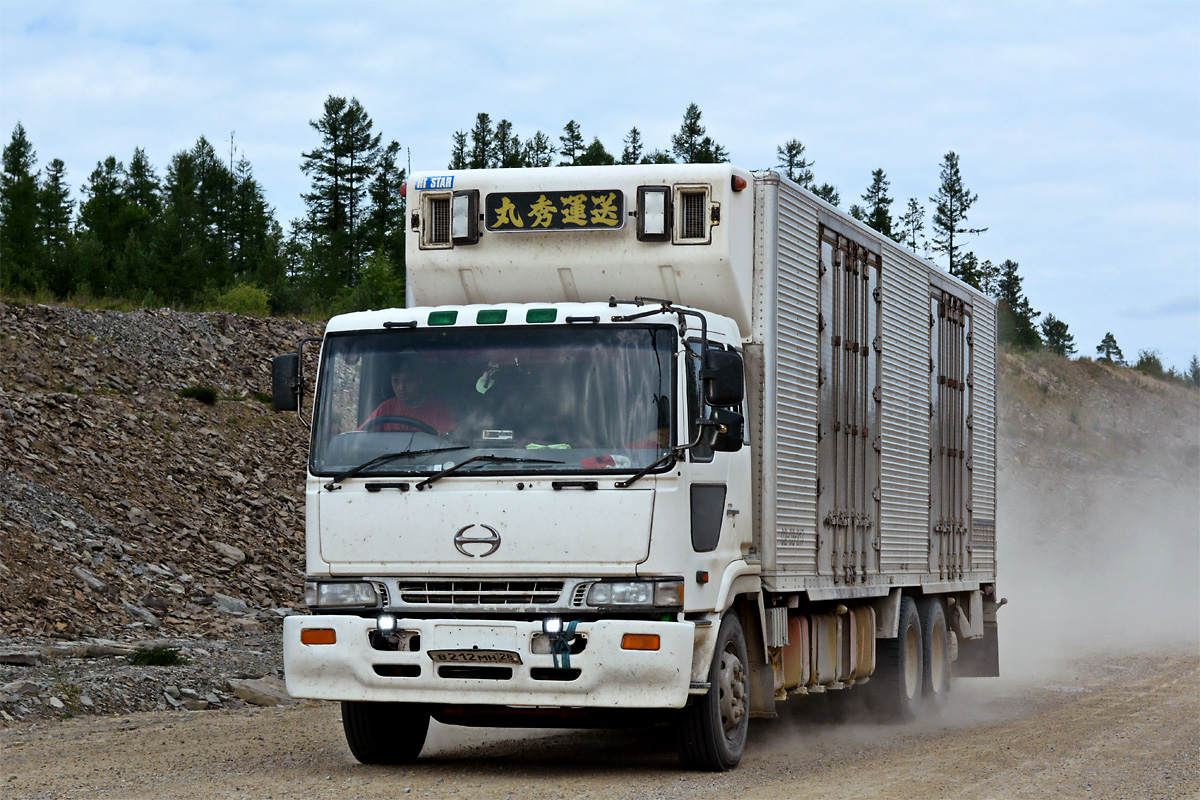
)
(298, 382)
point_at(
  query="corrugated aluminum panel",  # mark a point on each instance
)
(904, 506)
(983, 482)
(796, 384)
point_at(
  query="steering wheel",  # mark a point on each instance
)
(396, 419)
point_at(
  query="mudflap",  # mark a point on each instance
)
(979, 658)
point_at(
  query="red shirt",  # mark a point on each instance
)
(433, 412)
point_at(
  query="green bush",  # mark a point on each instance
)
(246, 299)
(160, 656)
(205, 394)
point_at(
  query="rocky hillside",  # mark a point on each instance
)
(128, 508)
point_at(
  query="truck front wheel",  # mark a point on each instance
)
(712, 730)
(895, 688)
(385, 733)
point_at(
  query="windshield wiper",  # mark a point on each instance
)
(350, 473)
(634, 478)
(456, 467)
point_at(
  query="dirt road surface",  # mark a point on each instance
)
(1115, 726)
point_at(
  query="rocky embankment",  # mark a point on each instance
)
(130, 514)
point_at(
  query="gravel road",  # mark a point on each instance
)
(1118, 726)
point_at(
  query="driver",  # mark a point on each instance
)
(412, 400)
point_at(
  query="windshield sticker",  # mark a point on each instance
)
(435, 182)
(575, 209)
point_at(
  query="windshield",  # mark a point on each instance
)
(576, 399)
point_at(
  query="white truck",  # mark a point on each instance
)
(685, 441)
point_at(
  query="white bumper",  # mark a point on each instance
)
(609, 677)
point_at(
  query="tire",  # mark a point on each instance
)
(935, 636)
(895, 687)
(385, 733)
(712, 730)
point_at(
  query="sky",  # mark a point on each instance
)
(1077, 124)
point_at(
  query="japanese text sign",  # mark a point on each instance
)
(595, 209)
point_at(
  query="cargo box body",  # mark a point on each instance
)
(873, 409)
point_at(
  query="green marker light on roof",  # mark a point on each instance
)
(541, 315)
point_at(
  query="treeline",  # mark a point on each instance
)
(202, 234)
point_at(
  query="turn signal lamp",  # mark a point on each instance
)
(640, 641)
(318, 636)
(738, 183)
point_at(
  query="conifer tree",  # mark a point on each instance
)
(595, 155)
(458, 153)
(910, 227)
(827, 192)
(792, 161)
(102, 216)
(482, 155)
(1017, 320)
(572, 145)
(386, 219)
(507, 147)
(632, 153)
(19, 239)
(1109, 351)
(1192, 375)
(55, 208)
(691, 146)
(952, 201)
(539, 151)
(877, 211)
(1057, 338)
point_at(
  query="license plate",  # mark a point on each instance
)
(475, 656)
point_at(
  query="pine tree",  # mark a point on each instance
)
(482, 155)
(458, 154)
(657, 157)
(102, 216)
(632, 153)
(827, 192)
(791, 159)
(1017, 320)
(953, 201)
(19, 239)
(386, 220)
(572, 145)
(878, 205)
(910, 227)
(1109, 351)
(55, 208)
(1192, 376)
(539, 151)
(1058, 339)
(596, 156)
(340, 170)
(507, 147)
(691, 146)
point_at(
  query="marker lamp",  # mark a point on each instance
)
(665, 593)
(350, 594)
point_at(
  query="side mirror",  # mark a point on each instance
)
(728, 429)
(285, 382)
(722, 379)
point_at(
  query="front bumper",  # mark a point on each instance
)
(609, 677)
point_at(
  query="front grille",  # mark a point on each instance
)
(481, 593)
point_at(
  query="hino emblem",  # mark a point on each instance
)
(492, 541)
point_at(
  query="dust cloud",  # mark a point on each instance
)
(1096, 566)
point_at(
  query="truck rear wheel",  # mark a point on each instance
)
(895, 688)
(712, 730)
(935, 634)
(385, 733)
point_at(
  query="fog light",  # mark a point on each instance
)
(552, 626)
(386, 623)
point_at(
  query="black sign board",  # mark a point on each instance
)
(574, 209)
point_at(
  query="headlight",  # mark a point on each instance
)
(637, 593)
(356, 594)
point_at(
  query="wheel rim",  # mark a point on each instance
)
(732, 687)
(912, 663)
(937, 658)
